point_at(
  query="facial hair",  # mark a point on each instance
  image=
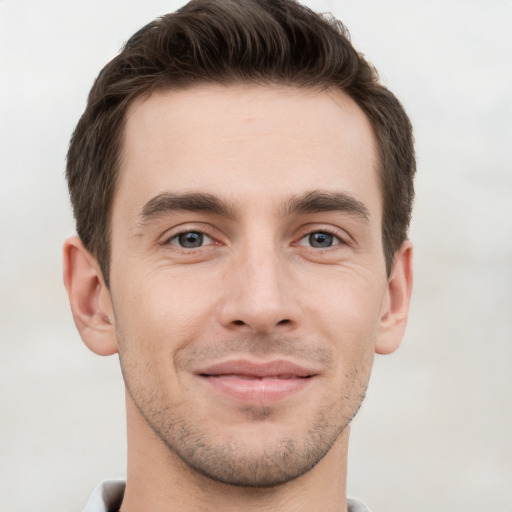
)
(234, 460)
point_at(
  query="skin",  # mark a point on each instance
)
(284, 264)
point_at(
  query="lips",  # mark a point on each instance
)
(257, 383)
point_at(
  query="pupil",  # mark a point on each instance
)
(191, 240)
(320, 239)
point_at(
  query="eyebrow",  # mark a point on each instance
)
(195, 202)
(323, 201)
(311, 202)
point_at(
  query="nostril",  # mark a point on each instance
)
(238, 323)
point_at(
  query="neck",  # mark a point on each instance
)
(159, 481)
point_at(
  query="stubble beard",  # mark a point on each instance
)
(236, 461)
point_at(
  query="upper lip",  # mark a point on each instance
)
(246, 368)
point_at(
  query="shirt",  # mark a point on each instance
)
(107, 497)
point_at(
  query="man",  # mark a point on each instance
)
(242, 187)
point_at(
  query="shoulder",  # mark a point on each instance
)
(107, 496)
(356, 506)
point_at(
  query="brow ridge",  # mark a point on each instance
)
(318, 201)
(315, 201)
(168, 202)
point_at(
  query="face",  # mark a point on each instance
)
(248, 280)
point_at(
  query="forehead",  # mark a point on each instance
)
(246, 143)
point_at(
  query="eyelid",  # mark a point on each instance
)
(207, 240)
(176, 231)
(336, 241)
(341, 235)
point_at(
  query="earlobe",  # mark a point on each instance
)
(89, 298)
(396, 304)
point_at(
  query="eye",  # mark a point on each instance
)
(190, 240)
(319, 240)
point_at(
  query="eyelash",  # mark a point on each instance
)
(195, 232)
(338, 239)
(203, 233)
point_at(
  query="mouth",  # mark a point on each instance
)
(257, 383)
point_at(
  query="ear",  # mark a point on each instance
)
(89, 297)
(395, 308)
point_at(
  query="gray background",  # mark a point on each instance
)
(435, 432)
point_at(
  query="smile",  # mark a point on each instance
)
(258, 384)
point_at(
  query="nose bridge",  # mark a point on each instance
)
(258, 286)
(262, 270)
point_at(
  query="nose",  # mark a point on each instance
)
(258, 294)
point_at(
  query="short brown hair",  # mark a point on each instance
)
(230, 42)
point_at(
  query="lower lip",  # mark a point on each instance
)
(260, 391)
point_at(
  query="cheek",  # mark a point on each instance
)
(346, 306)
(165, 310)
